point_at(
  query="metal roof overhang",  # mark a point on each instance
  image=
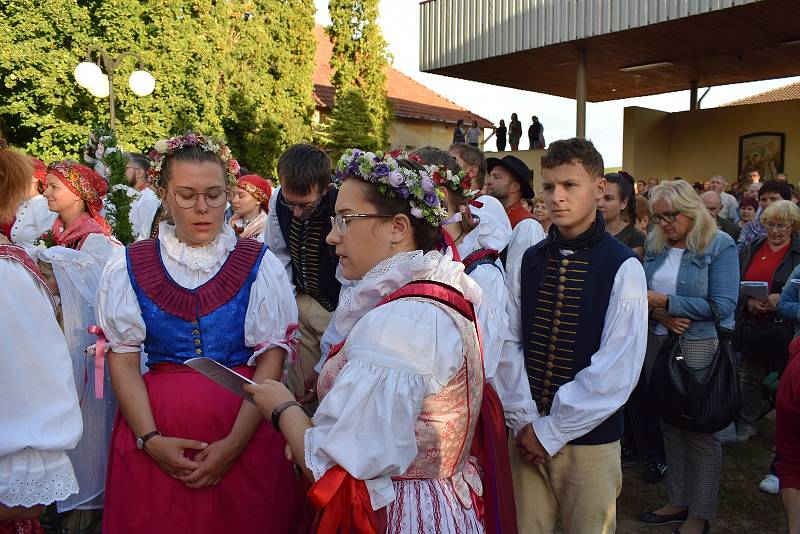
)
(534, 44)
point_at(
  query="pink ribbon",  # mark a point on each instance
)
(99, 360)
(289, 340)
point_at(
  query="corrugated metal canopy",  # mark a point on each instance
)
(534, 44)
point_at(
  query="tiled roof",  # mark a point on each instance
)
(787, 92)
(410, 99)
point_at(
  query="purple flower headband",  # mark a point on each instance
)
(394, 181)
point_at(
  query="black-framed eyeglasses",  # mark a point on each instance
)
(340, 221)
(309, 206)
(668, 217)
(187, 198)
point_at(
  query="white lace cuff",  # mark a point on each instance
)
(31, 477)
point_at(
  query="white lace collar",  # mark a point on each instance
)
(207, 258)
(395, 272)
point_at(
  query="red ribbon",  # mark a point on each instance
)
(99, 360)
(476, 203)
(345, 504)
(448, 239)
(289, 340)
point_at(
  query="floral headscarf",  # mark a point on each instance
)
(84, 183)
(257, 187)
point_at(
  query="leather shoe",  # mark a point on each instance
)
(652, 518)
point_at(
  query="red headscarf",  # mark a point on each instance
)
(86, 184)
(258, 188)
(39, 171)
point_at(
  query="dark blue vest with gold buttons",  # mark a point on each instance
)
(564, 303)
(186, 323)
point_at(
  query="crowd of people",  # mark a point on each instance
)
(504, 135)
(426, 345)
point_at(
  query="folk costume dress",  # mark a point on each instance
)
(40, 418)
(230, 301)
(77, 275)
(479, 251)
(399, 404)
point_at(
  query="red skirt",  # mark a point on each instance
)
(260, 493)
(489, 446)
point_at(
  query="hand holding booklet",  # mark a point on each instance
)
(756, 290)
(227, 378)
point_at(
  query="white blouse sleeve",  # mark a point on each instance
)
(604, 386)
(365, 424)
(511, 381)
(118, 311)
(271, 312)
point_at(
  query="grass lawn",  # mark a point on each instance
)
(743, 508)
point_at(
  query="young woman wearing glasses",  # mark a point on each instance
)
(389, 444)
(186, 455)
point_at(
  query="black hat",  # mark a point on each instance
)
(518, 170)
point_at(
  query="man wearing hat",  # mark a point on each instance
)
(509, 182)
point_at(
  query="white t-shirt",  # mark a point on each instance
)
(665, 280)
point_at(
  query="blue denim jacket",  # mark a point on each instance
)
(789, 305)
(712, 275)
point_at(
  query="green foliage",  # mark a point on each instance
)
(240, 70)
(361, 112)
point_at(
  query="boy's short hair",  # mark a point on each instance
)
(575, 150)
(302, 167)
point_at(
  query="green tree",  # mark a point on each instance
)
(269, 52)
(361, 111)
(239, 70)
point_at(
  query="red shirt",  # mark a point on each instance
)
(517, 213)
(764, 262)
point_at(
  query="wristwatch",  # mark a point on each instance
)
(140, 441)
(278, 410)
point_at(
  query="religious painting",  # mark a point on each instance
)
(762, 152)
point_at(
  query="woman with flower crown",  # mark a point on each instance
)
(250, 204)
(187, 455)
(389, 445)
(479, 228)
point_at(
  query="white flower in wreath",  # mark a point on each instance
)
(161, 146)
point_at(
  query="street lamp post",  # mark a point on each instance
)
(90, 76)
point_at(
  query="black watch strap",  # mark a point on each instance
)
(147, 437)
(278, 410)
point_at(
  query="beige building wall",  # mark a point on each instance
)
(409, 134)
(698, 144)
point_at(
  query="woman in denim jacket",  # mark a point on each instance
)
(688, 263)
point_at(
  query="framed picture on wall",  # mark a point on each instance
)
(762, 152)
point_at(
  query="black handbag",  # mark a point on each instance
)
(704, 400)
(767, 340)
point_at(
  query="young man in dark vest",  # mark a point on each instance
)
(298, 222)
(578, 314)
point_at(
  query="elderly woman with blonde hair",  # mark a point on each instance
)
(692, 274)
(763, 336)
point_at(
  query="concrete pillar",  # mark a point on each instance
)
(580, 95)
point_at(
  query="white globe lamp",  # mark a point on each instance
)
(100, 87)
(87, 74)
(142, 83)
